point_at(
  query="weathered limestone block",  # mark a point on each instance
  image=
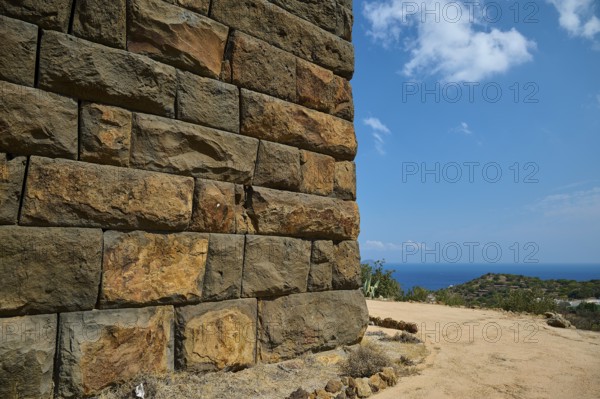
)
(321, 266)
(48, 14)
(143, 268)
(274, 25)
(208, 102)
(37, 122)
(223, 277)
(12, 172)
(345, 180)
(101, 21)
(49, 270)
(346, 267)
(199, 6)
(172, 146)
(18, 48)
(176, 36)
(277, 166)
(345, 20)
(269, 118)
(214, 207)
(275, 266)
(105, 134)
(346, 3)
(93, 72)
(68, 193)
(275, 212)
(322, 13)
(320, 89)
(318, 172)
(217, 335)
(102, 347)
(27, 346)
(261, 67)
(295, 324)
(243, 222)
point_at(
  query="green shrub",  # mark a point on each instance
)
(525, 300)
(385, 285)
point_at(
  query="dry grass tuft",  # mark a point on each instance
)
(366, 360)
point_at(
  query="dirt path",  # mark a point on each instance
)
(492, 354)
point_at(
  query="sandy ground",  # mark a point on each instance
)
(494, 354)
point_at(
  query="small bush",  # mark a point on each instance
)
(366, 360)
(403, 337)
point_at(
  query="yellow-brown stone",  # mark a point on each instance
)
(318, 172)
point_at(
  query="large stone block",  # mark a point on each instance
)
(216, 336)
(27, 346)
(178, 147)
(49, 270)
(322, 13)
(261, 67)
(48, 14)
(18, 48)
(12, 173)
(37, 122)
(277, 166)
(176, 36)
(208, 102)
(318, 172)
(199, 6)
(223, 278)
(346, 267)
(295, 324)
(275, 212)
(93, 72)
(272, 119)
(243, 222)
(345, 180)
(105, 134)
(143, 268)
(321, 266)
(274, 25)
(101, 21)
(275, 266)
(345, 20)
(68, 193)
(214, 207)
(322, 90)
(103, 347)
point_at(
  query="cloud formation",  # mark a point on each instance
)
(378, 131)
(577, 17)
(580, 204)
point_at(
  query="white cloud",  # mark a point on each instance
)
(581, 204)
(379, 130)
(448, 45)
(373, 245)
(463, 128)
(409, 245)
(577, 17)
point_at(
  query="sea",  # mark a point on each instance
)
(436, 276)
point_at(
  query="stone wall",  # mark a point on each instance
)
(177, 188)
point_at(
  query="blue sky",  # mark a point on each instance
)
(517, 94)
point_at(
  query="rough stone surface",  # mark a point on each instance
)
(68, 193)
(321, 266)
(272, 119)
(176, 36)
(12, 173)
(345, 20)
(93, 72)
(334, 386)
(377, 383)
(274, 25)
(258, 66)
(223, 277)
(363, 390)
(102, 347)
(167, 145)
(37, 122)
(216, 336)
(277, 166)
(294, 324)
(320, 89)
(346, 267)
(318, 172)
(48, 14)
(49, 270)
(101, 21)
(105, 134)
(322, 13)
(144, 268)
(208, 102)
(345, 180)
(275, 212)
(27, 346)
(275, 266)
(18, 48)
(214, 207)
(199, 6)
(243, 222)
